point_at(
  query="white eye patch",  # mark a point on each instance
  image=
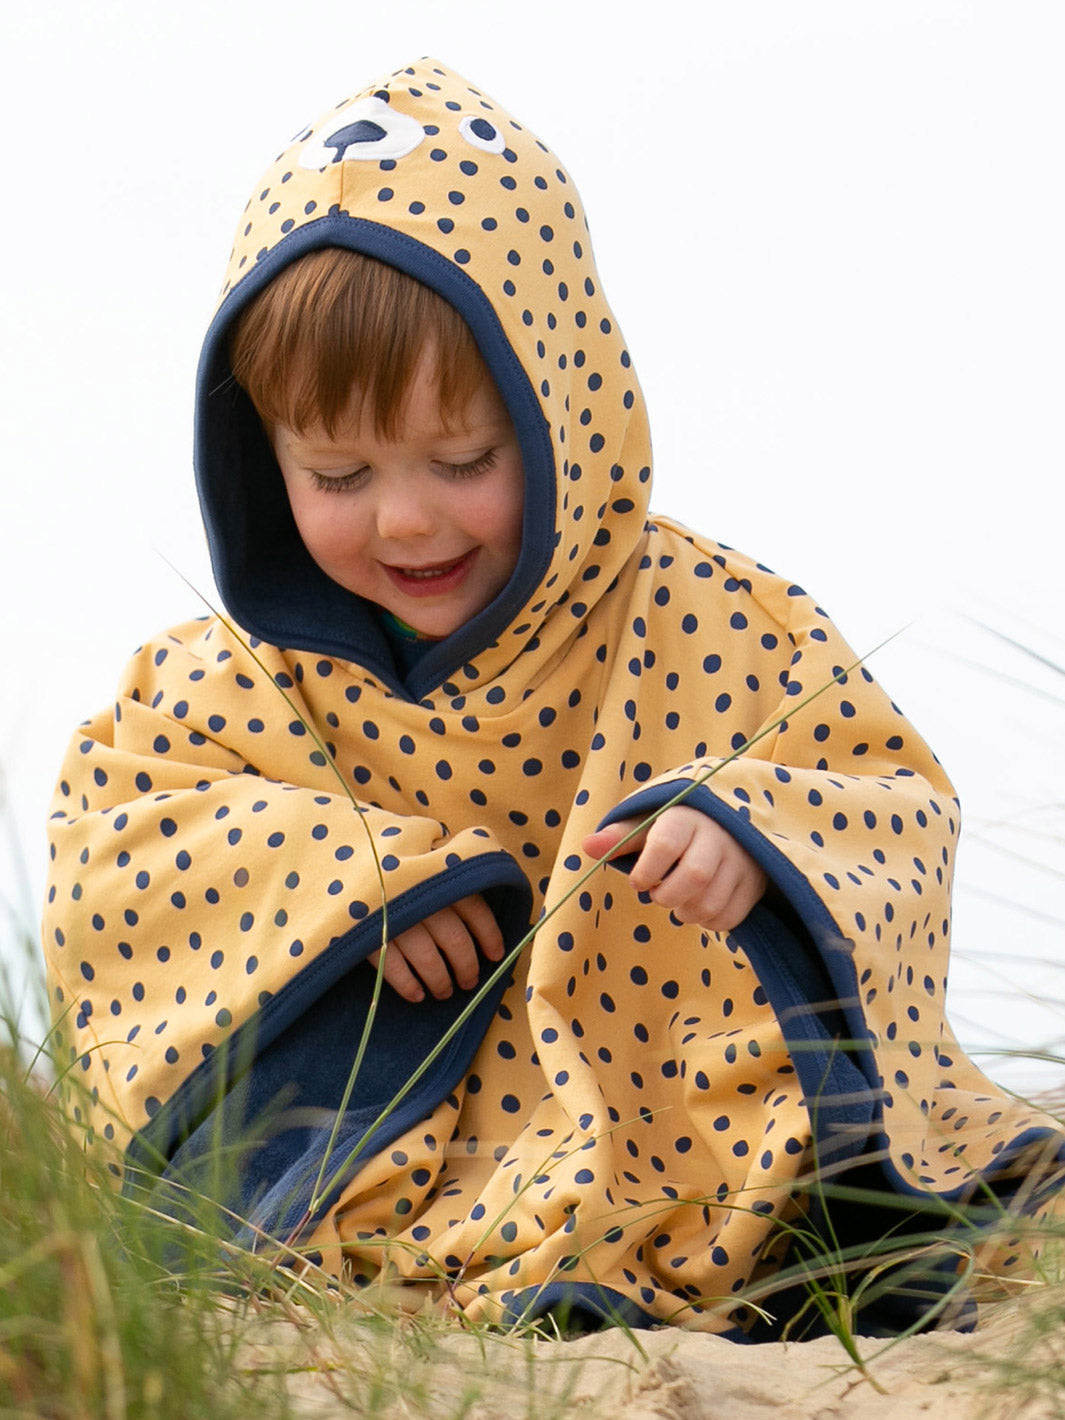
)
(479, 133)
(367, 131)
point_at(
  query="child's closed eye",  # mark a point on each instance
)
(342, 482)
(337, 482)
(481, 464)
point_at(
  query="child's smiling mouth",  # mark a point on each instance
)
(432, 578)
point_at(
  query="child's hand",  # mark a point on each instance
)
(445, 945)
(689, 864)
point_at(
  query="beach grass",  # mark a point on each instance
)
(110, 1310)
(97, 1319)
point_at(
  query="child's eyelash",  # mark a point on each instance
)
(326, 484)
(337, 484)
(469, 470)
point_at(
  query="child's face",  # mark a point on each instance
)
(428, 524)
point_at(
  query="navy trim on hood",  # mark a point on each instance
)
(266, 577)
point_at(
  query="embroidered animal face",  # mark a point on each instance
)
(372, 130)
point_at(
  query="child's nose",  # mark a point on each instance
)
(403, 511)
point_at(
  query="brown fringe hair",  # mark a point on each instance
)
(337, 326)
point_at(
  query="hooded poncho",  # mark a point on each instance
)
(622, 1115)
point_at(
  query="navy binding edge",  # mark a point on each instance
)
(217, 396)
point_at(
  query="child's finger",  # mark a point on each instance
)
(696, 894)
(667, 841)
(736, 888)
(421, 952)
(398, 975)
(602, 843)
(703, 875)
(481, 923)
(453, 944)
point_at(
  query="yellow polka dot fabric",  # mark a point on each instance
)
(629, 1114)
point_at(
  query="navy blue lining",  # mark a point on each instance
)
(260, 1151)
(580, 1306)
(287, 1041)
(266, 577)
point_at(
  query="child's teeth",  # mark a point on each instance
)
(428, 572)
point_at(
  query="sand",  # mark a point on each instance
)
(373, 1371)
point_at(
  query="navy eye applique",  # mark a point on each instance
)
(368, 130)
(479, 133)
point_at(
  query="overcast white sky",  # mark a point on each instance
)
(832, 231)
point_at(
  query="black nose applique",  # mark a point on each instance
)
(367, 130)
(364, 130)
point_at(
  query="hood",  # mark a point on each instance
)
(427, 173)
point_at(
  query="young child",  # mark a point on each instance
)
(463, 665)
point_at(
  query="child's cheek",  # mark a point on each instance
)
(331, 534)
(493, 512)
(330, 523)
